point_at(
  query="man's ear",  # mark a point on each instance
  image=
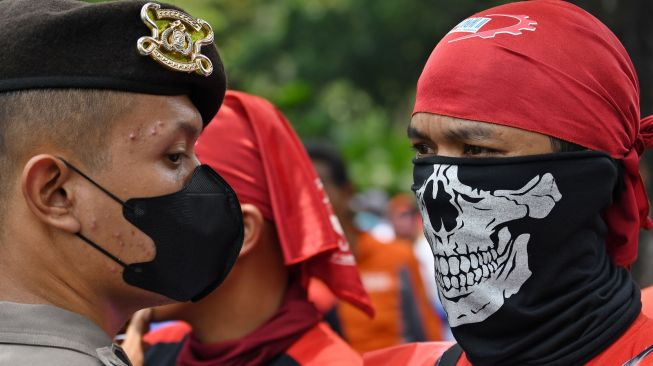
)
(253, 221)
(43, 184)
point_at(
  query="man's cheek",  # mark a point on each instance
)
(131, 244)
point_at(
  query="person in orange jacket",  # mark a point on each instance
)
(528, 134)
(390, 274)
(261, 315)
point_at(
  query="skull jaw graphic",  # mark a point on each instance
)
(478, 263)
(475, 303)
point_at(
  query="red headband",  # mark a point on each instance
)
(548, 66)
(252, 145)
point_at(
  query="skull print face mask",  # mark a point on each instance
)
(479, 261)
(516, 241)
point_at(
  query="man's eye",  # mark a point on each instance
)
(423, 149)
(174, 158)
(478, 150)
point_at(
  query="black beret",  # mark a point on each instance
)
(55, 44)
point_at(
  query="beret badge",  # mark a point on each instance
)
(176, 40)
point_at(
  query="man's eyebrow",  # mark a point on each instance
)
(469, 132)
(414, 133)
(188, 128)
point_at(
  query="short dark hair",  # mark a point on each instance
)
(75, 121)
(564, 146)
(327, 154)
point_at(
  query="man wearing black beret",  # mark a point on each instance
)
(104, 209)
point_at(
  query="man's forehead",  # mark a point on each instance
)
(424, 124)
(176, 112)
(185, 114)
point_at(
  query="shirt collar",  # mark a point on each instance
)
(51, 326)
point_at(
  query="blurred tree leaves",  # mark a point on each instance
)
(345, 70)
(341, 70)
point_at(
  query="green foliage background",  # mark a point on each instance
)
(341, 70)
(345, 70)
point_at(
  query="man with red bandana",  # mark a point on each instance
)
(262, 315)
(528, 135)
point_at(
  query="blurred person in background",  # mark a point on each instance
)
(406, 222)
(261, 315)
(389, 271)
(369, 209)
(403, 215)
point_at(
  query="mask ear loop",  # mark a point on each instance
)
(101, 250)
(113, 196)
(87, 240)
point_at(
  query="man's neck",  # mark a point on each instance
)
(23, 284)
(237, 309)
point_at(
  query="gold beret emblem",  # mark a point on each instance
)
(177, 39)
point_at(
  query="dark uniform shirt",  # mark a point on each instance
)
(47, 335)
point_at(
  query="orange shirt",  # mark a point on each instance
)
(391, 277)
(647, 302)
(637, 339)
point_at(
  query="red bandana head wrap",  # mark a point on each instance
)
(252, 145)
(548, 66)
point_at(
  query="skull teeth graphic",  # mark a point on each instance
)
(458, 274)
(464, 271)
(478, 262)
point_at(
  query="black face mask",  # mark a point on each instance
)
(197, 232)
(520, 258)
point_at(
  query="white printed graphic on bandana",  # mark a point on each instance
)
(343, 256)
(471, 25)
(474, 25)
(476, 267)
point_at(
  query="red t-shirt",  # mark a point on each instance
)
(317, 347)
(647, 302)
(636, 340)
